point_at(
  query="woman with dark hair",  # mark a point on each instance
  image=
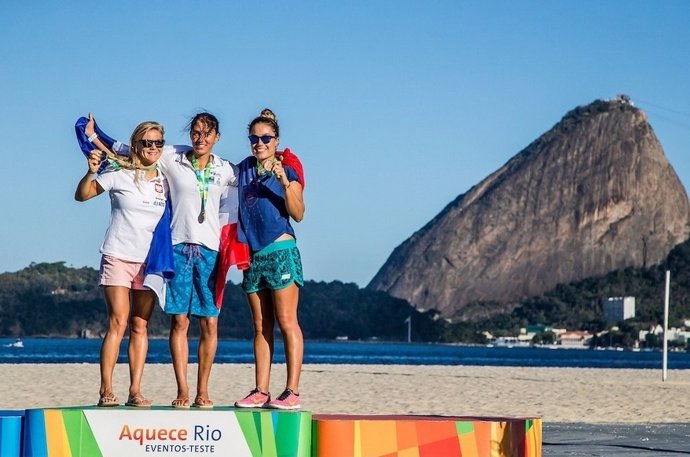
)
(270, 195)
(197, 180)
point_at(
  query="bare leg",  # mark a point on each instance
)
(261, 307)
(208, 343)
(179, 350)
(285, 303)
(143, 302)
(117, 303)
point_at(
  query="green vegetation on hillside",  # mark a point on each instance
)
(51, 299)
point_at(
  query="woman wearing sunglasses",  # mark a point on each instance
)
(197, 179)
(270, 194)
(138, 194)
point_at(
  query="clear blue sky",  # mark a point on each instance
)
(395, 107)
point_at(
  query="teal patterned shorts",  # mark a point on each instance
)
(191, 291)
(274, 267)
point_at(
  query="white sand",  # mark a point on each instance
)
(555, 394)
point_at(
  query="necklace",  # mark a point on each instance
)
(202, 179)
(261, 169)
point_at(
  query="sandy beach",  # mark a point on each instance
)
(555, 394)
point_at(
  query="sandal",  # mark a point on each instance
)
(181, 403)
(202, 402)
(138, 401)
(108, 400)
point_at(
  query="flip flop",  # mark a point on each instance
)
(202, 402)
(181, 403)
(108, 400)
(138, 401)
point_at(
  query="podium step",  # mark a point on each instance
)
(425, 436)
(158, 431)
(224, 431)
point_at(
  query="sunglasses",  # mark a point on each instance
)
(152, 143)
(265, 139)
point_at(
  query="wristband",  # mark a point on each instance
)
(92, 137)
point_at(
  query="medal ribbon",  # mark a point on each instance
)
(260, 170)
(202, 179)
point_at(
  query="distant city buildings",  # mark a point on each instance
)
(615, 309)
(575, 339)
(679, 336)
(618, 309)
(578, 339)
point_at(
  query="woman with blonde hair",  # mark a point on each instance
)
(138, 194)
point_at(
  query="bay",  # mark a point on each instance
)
(62, 350)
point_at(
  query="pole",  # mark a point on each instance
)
(409, 329)
(664, 363)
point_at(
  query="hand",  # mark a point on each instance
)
(94, 160)
(279, 173)
(90, 127)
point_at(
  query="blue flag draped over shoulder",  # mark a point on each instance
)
(160, 266)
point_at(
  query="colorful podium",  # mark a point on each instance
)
(131, 432)
(425, 436)
(163, 431)
(11, 433)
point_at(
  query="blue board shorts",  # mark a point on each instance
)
(191, 290)
(274, 267)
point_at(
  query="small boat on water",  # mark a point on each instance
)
(18, 343)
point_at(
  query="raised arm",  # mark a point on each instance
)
(88, 187)
(294, 201)
(92, 135)
(90, 131)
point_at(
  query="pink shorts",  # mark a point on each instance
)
(116, 272)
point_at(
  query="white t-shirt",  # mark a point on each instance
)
(135, 209)
(186, 198)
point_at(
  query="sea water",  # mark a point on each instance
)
(63, 350)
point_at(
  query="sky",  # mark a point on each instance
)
(394, 107)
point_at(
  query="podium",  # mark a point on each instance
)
(425, 436)
(224, 431)
(163, 431)
(10, 433)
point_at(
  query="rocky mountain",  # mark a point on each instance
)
(592, 195)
